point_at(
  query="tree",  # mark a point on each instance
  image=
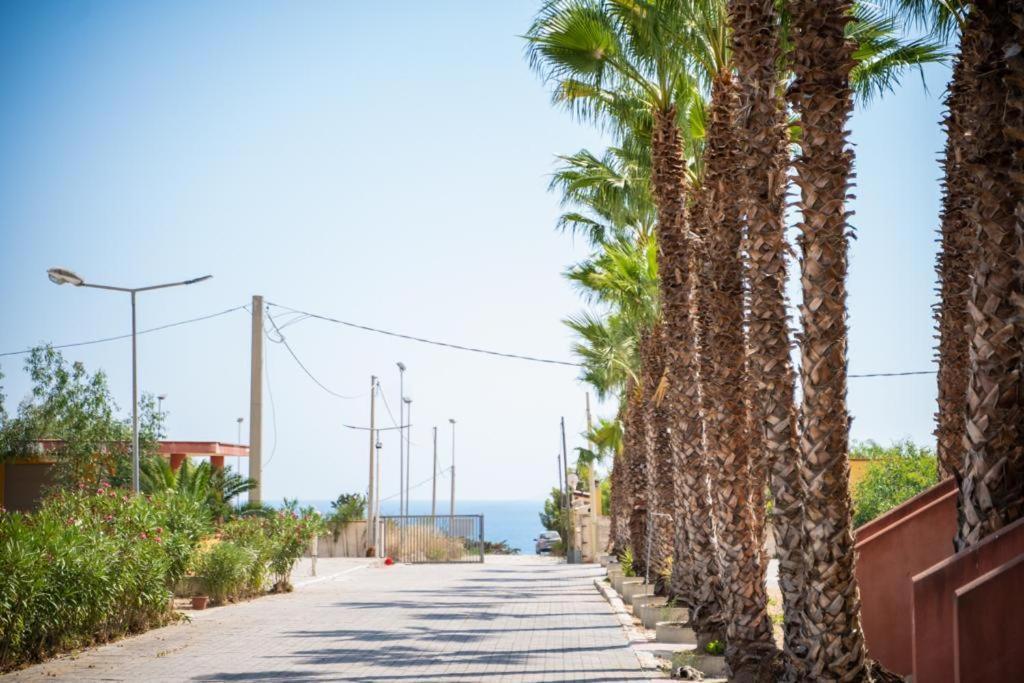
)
(70, 405)
(822, 98)
(216, 488)
(992, 485)
(628, 63)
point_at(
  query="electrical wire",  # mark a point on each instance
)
(441, 473)
(458, 347)
(894, 374)
(281, 340)
(128, 336)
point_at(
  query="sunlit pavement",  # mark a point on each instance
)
(516, 619)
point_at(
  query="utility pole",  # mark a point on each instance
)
(595, 498)
(451, 510)
(433, 493)
(371, 530)
(408, 451)
(256, 401)
(401, 438)
(565, 462)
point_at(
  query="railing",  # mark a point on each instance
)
(425, 539)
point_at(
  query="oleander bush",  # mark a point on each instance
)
(225, 569)
(897, 474)
(91, 566)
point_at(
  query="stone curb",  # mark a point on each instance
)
(635, 636)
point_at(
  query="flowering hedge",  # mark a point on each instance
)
(91, 566)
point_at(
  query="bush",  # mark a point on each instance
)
(224, 569)
(899, 473)
(88, 567)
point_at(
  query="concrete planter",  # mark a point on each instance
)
(635, 590)
(650, 615)
(612, 573)
(674, 632)
(618, 579)
(712, 666)
(640, 601)
(627, 581)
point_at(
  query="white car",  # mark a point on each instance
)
(546, 541)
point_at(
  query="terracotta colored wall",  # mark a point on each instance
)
(891, 550)
(989, 632)
(24, 484)
(934, 592)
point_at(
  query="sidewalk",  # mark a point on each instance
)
(516, 619)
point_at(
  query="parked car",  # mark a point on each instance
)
(546, 541)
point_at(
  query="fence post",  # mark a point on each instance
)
(481, 539)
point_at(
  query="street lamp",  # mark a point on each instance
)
(401, 438)
(62, 276)
(238, 458)
(160, 403)
(408, 449)
(451, 509)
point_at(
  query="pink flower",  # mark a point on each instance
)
(158, 539)
(143, 535)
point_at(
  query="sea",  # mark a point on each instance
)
(514, 521)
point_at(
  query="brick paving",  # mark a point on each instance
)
(514, 619)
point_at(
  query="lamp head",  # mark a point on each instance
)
(197, 279)
(162, 397)
(572, 480)
(452, 420)
(407, 400)
(63, 276)
(401, 366)
(239, 420)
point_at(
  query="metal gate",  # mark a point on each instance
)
(421, 539)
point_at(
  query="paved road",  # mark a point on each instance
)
(512, 619)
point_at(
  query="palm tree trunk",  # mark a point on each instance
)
(821, 96)
(662, 467)
(953, 268)
(640, 460)
(683, 396)
(716, 217)
(992, 488)
(622, 491)
(764, 145)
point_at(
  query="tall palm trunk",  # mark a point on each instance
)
(953, 268)
(992, 487)
(821, 95)
(716, 218)
(662, 467)
(622, 489)
(640, 465)
(764, 145)
(668, 180)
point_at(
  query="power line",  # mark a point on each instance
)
(282, 340)
(440, 473)
(894, 374)
(128, 336)
(458, 347)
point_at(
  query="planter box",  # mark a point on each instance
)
(635, 590)
(627, 581)
(640, 601)
(650, 615)
(674, 632)
(712, 666)
(617, 580)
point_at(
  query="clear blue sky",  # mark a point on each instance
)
(385, 164)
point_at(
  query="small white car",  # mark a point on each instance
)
(546, 541)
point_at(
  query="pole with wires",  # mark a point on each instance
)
(401, 438)
(433, 477)
(408, 452)
(371, 532)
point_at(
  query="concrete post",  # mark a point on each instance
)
(256, 401)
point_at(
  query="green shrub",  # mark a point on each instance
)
(224, 569)
(89, 566)
(626, 563)
(251, 533)
(898, 474)
(290, 532)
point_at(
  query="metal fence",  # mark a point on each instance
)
(419, 539)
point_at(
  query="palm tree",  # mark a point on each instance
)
(614, 56)
(822, 98)
(992, 485)
(217, 488)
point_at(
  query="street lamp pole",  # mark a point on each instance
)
(62, 276)
(451, 509)
(401, 438)
(408, 450)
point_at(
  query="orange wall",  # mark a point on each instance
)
(891, 549)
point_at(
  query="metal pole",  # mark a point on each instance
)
(433, 492)
(371, 535)
(647, 563)
(256, 401)
(408, 454)
(135, 405)
(595, 495)
(451, 511)
(565, 468)
(401, 439)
